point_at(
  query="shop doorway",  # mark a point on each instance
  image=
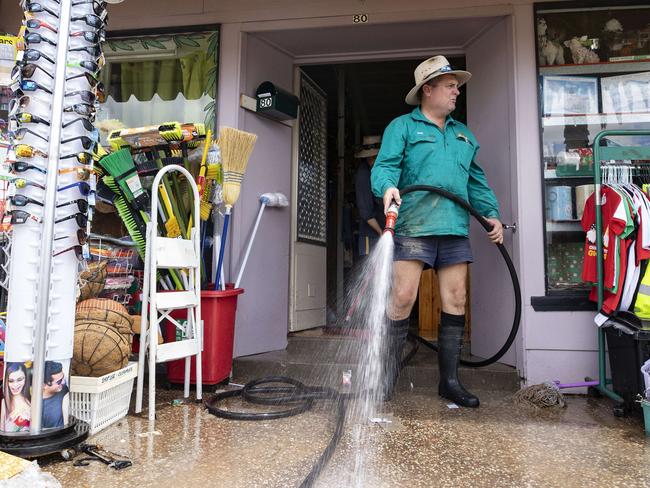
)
(385, 55)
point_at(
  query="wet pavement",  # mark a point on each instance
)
(427, 445)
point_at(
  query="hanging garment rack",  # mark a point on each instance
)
(607, 154)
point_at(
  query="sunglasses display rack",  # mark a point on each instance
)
(50, 202)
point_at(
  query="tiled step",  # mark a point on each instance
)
(321, 360)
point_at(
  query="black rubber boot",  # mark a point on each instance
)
(395, 340)
(450, 343)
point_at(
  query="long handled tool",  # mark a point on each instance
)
(266, 200)
(236, 147)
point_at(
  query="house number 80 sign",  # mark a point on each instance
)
(359, 19)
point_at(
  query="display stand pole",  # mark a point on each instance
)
(49, 210)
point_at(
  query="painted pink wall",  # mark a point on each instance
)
(262, 318)
(489, 110)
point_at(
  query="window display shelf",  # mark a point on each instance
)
(563, 226)
(551, 174)
(591, 68)
(595, 119)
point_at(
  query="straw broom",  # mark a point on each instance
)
(236, 147)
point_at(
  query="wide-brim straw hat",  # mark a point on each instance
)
(430, 69)
(369, 147)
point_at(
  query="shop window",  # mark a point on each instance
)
(593, 66)
(159, 78)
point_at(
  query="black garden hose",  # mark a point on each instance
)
(300, 398)
(511, 269)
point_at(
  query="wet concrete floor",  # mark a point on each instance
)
(427, 445)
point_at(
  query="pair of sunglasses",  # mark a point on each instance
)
(92, 80)
(84, 188)
(20, 217)
(27, 70)
(37, 8)
(84, 109)
(89, 65)
(91, 20)
(27, 151)
(22, 103)
(93, 50)
(30, 85)
(37, 24)
(82, 157)
(23, 201)
(86, 142)
(98, 7)
(84, 121)
(36, 38)
(20, 133)
(21, 167)
(80, 218)
(85, 95)
(82, 237)
(90, 36)
(35, 55)
(27, 118)
(80, 251)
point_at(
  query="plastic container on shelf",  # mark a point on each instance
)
(218, 310)
(627, 353)
(104, 400)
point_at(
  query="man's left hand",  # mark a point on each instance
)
(496, 234)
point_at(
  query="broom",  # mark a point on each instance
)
(120, 166)
(236, 147)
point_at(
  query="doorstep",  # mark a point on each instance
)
(318, 359)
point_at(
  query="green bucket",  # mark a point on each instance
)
(646, 416)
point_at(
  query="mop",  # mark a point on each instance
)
(266, 200)
(236, 147)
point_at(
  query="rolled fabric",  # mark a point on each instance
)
(558, 203)
(583, 192)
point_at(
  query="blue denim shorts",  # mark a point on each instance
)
(434, 251)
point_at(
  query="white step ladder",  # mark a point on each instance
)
(180, 254)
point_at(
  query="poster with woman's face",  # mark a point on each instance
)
(15, 414)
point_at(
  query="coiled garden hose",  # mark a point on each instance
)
(511, 269)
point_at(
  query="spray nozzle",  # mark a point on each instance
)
(391, 218)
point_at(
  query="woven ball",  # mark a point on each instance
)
(108, 311)
(98, 349)
(92, 280)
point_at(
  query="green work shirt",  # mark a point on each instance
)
(415, 151)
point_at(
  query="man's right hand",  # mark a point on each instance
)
(390, 195)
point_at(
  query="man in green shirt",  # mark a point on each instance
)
(429, 147)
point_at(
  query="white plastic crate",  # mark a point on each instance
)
(104, 400)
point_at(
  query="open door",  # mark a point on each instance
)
(309, 206)
(490, 116)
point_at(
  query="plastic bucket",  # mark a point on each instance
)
(218, 310)
(646, 416)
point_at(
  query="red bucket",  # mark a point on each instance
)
(218, 310)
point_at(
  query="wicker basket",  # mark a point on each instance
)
(102, 401)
